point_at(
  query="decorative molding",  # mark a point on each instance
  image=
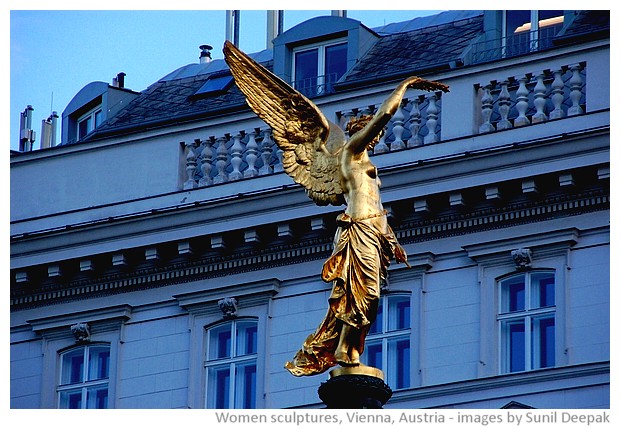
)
(522, 258)
(246, 295)
(81, 332)
(228, 307)
(101, 319)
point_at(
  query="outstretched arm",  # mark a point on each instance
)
(360, 140)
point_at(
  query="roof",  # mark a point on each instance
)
(418, 49)
(417, 46)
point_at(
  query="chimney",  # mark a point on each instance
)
(27, 135)
(275, 25)
(340, 13)
(232, 26)
(119, 80)
(48, 131)
(205, 54)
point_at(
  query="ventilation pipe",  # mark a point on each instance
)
(27, 135)
(48, 131)
(275, 26)
(205, 54)
(119, 80)
(232, 26)
(340, 13)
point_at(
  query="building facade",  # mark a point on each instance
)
(168, 262)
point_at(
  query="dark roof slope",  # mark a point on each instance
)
(419, 50)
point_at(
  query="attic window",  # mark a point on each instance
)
(317, 67)
(214, 85)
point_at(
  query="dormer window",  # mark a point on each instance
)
(530, 30)
(317, 67)
(88, 122)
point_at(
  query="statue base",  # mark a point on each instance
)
(355, 387)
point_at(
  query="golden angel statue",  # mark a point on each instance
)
(334, 170)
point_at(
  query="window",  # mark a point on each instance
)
(231, 364)
(388, 345)
(527, 321)
(530, 30)
(88, 122)
(84, 377)
(317, 68)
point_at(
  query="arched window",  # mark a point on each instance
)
(231, 364)
(527, 320)
(84, 377)
(388, 345)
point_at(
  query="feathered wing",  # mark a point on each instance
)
(299, 128)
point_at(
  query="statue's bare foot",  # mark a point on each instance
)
(343, 359)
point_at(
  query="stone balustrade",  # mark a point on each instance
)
(513, 102)
(532, 98)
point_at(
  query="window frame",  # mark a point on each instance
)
(532, 33)
(85, 385)
(321, 47)
(528, 315)
(384, 337)
(231, 362)
(95, 115)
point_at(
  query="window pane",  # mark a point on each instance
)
(377, 326)
(513, 294)
(543, 342)
(71, 399)
(99, 362)
(97, 397)
(517, 21)
(84, 127)
(543, 290)
(516, 346)
(373, 354)
(246, 338)
(399, 362)
(72, 367)
(306, 71)
(219, 387)
(399, 313)
(220, 341)
(98, 118)
(335, 62)
(245, 385)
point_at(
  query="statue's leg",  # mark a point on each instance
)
(346, 352)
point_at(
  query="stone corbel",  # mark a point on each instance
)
(228, 307)
(81, 332)
(522, 258)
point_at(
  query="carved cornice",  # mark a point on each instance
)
(408, 231)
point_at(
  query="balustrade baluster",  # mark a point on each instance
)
(575, 84)
(398, 129)
(236, 151)
(381, 146)
(431, 119)
(206, 164)
(504, 107)
(251, 150)
(190, 167)
(558, 95)
(540, 99)
(487, 110)
(222, 157)
(522, 102)
(266, 151)
(415, 124)
(278, 167)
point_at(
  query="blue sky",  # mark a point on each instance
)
(54, 53)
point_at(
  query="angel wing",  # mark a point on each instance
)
(300, 130)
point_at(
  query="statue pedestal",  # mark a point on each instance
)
(355, 387)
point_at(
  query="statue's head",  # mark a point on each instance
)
(358, 123)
